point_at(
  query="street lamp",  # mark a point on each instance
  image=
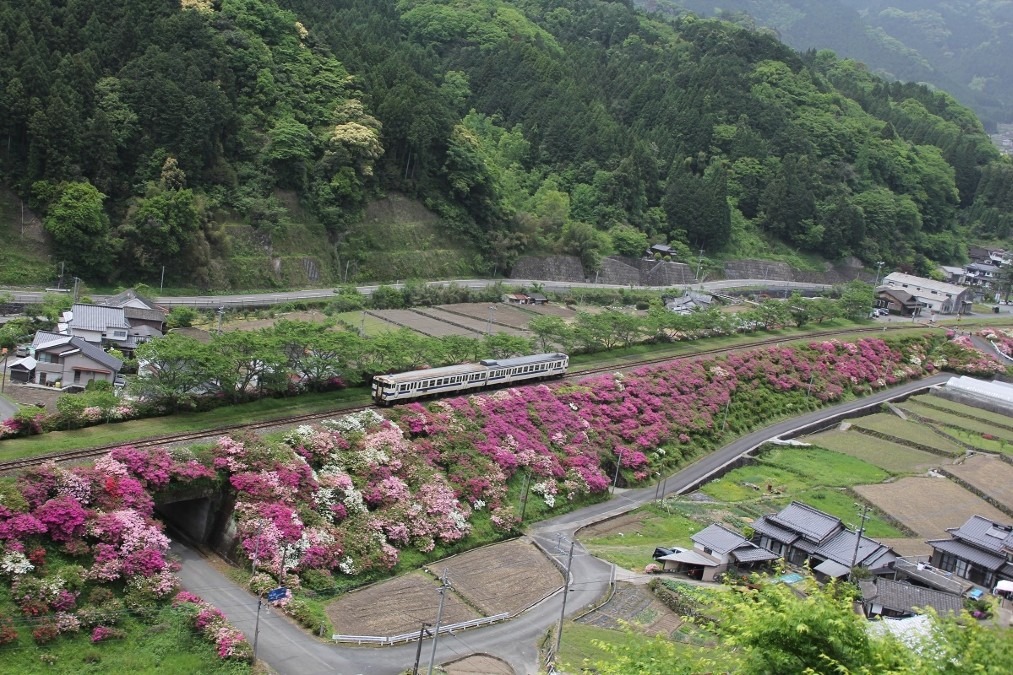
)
(619, 463)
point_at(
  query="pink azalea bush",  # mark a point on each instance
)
(1002, 338)
(214, 627)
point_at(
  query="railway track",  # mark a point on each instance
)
(88, 453)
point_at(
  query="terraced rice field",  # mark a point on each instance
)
(992, 476)
(422, 324)
(927, 506)
(955, 419)
(899, 431)
(893, 457)
(964, 410)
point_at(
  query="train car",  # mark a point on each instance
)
(416, 384)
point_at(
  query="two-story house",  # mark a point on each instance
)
(980, 551)
(715, 550)
(801, 534)
(98, 325)
(983, 275)
(935, 296)
(64, 361)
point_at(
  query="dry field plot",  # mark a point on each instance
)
(505, 577)
(505, 314)
(892, 457)
(312, 316)
(478, 664)
(476, 324)
(927, 506)
(552, 310)
(990, 475)
(963, 410)
(395, 607)
(421, 324)
(955, 419)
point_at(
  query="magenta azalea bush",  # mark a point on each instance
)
(1002, 338)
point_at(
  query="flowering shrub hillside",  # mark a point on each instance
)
(1002, 338)
(100, 518)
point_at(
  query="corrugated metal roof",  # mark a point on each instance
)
(968, 553)
(718, 538)
(832, 568)
(95, 317)
(896, 278)
(46, 338)
(690, 557)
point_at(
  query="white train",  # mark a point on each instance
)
(389, 389)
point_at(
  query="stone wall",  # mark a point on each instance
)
(767, 270)
(655, 273)
(548, 268)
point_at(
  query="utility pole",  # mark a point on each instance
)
(260, 600)
(161, 282)
(619, 463)
(562, 612)
(439, 617)
(858, 541)
(524, 502)
(76, 280)
(418, 651)
(699, 265)
(221, 315)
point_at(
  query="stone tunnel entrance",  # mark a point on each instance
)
(201, 516)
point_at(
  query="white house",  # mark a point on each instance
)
(935, 296)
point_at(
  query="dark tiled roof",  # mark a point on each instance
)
(807, 521)
(763, 525)
(718, 539)
(901, 597)
(753, 553)
(969, 553)
(841, 548)
(122, 298)
(144, 314)
(96, 354)
(984, 533)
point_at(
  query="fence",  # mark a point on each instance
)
(414, 635)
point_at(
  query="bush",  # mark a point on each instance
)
(47, 632)
(320, 581)
(8, 634)
(306, 613)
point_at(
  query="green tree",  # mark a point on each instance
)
(628, 241)
(176, 369)
(857, 299)
(80, 230)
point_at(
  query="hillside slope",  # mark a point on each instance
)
(239, 142)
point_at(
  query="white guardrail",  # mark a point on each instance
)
(414, 635)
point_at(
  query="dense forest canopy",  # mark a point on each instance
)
(585, 127)
(960, 46)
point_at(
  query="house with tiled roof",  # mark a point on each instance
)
(802, 534)
(895, 599)
(96, 324)
(63, 361)
(139, 311)
(715, 550)
(980, 551)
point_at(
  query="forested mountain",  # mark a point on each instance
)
(140, 127)
(959, 46)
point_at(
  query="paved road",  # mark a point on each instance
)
(289, 650)
(7, 409)
(267, 299)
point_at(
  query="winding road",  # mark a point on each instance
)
(291, 651)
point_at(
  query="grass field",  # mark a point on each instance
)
(368, 323)
(629, 541)
(892, 457)
(976, 440)
(578, 650)
(824, 467)
(900, 430)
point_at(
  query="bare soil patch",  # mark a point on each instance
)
(928, 506)
(395, 607)
(551, 310)
(479, 325)
(506, 577)
(478, 664)
(626, 523)
(908, 547)
(989, 474)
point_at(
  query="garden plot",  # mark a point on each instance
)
(893, 457)
(506, 577)
(927, 506)
(990, 475)
(369, 324)
(422, 324)
(395, 607)
(633, 605)
(476, 324)
(901, 431)
(505, 314)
